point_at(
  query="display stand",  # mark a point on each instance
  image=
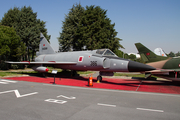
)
(54, 72)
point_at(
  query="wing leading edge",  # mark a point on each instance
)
(49, 62)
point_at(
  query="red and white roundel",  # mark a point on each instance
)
(80, 59)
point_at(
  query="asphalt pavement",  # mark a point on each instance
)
(35, 101)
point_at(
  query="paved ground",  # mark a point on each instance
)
(22, 100)
(135, 84)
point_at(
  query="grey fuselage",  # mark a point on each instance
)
(90, 60)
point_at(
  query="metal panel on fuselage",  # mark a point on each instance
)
(117, 65)
(39, 58)
(85, 60)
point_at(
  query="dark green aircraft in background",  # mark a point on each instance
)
(166, 67)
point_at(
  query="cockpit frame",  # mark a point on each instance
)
(105, 52)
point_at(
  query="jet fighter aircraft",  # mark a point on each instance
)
(168, 68)
(103, 60)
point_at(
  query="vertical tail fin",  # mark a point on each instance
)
(147, 55)
(44, 46)
(160, 52)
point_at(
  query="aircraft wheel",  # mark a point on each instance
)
(99, 78)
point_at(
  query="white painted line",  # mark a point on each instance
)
(8, 81)
(153, 110)
(108, 90)
(3, 82)
(18, 94)
(66, 97)
(139, 86)
(56, 101)
(108, 105)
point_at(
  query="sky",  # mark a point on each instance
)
(154, 23)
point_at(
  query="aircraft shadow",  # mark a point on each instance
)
(152, 81)
(67, 75)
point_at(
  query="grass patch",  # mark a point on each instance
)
(51, 68)
(3, 74)
(62, 72)
(13, 73)
(85, 72)
(25, 71)
(129, 75)
(133, 75)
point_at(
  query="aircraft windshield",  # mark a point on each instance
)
(100, 51)
(108, 52)
(105, 52)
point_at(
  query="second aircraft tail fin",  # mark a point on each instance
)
(147, 55)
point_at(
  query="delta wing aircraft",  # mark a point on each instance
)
(167, 67)
(103, 60)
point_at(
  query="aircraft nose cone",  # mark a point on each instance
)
(138, 67)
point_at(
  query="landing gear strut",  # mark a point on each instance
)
(99, 78)
(44, 74)
(74, 73)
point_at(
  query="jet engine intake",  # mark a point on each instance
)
(106, 63)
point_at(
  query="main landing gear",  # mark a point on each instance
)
(74, 73)
(44, 74)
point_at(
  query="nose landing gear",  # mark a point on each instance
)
(99, 78)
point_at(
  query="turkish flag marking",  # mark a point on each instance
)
(80, 59)
(147, 54)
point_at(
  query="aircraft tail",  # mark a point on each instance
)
(44, 46)
(147, 55)
(160, 52)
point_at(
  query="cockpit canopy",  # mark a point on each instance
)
(105, 52)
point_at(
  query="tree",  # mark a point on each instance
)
(35, 40)
(11, 48)
(116, 47)
(178, 54)
(97, 30)
(27, 26)
(119, 53)
(171, 54)
(69, 37)
(11, 17)
(126, 56)
(9, 42)
(132, 57)
(91, 30)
